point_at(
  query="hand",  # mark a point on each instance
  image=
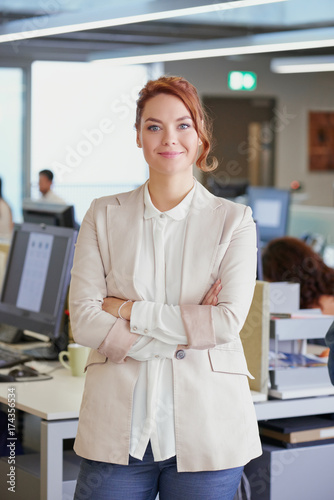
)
(112, 304)
(211, 298)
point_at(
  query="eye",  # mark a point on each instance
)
(184, 126)
(153, 128)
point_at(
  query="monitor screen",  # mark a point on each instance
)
(52, 214)
(37, 278)
(227, 189)
(270, 211)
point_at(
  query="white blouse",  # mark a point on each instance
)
(158, 280)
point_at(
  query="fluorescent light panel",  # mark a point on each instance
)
(256, 44)
(16, 35)
(302, 64)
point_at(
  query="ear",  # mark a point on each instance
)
(138, 140)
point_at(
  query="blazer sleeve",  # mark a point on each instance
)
(199, 326)
(91, 326)
(237, 272)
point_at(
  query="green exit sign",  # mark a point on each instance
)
(242, 80)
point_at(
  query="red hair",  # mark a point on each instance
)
(291, 259)
(181, 88)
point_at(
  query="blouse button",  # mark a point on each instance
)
(146, 330)
(180, 354)
(134, 328)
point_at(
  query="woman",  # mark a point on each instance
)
(6, 219)
(291, 259)
(162, 282)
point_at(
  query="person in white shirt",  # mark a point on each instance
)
(162, 281)
(45, 184)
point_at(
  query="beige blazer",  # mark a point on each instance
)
(215, 422)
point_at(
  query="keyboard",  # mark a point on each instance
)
(43, 352)
(12, 357)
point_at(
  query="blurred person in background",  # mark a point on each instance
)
(293, 260)
(6, 218)
(45, 184)
(329, 339)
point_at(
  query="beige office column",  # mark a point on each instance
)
(266, 155)
(254, 153)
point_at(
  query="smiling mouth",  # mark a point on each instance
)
(170, 154)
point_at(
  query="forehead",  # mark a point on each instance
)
(165, 106)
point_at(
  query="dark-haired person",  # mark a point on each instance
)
(329, 339)
(293, 260)
(162, 282)
(45, 185)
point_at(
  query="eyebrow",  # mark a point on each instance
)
(159, 121)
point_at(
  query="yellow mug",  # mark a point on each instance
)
(77, 357)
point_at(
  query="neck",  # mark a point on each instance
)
(169, 191)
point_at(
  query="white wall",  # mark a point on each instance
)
(295, 95)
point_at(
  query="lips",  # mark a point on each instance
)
(170, 154)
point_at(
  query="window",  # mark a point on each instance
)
(11, 133)
(83, 129)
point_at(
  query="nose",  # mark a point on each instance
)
(169, 137)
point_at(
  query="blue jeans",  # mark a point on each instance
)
(143, 479)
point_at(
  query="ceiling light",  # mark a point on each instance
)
(302, 64)
(255, 44)
(88, 20)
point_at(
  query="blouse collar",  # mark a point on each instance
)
(177, 213)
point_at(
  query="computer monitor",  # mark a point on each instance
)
(270, 211)
(52, 214)
(37, 277)
(227, 189)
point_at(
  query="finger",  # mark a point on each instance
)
(209, 301)
(211, 297)
(214, 290)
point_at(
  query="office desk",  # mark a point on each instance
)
(57, 403)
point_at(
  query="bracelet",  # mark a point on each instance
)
(120, 307)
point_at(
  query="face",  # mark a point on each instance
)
(44, 184)
(168, 136)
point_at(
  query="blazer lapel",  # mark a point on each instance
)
(203, 234)
(125, 227)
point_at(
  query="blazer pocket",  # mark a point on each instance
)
(229, 361)
(95, 358)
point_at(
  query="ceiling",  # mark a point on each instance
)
(277, 21)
